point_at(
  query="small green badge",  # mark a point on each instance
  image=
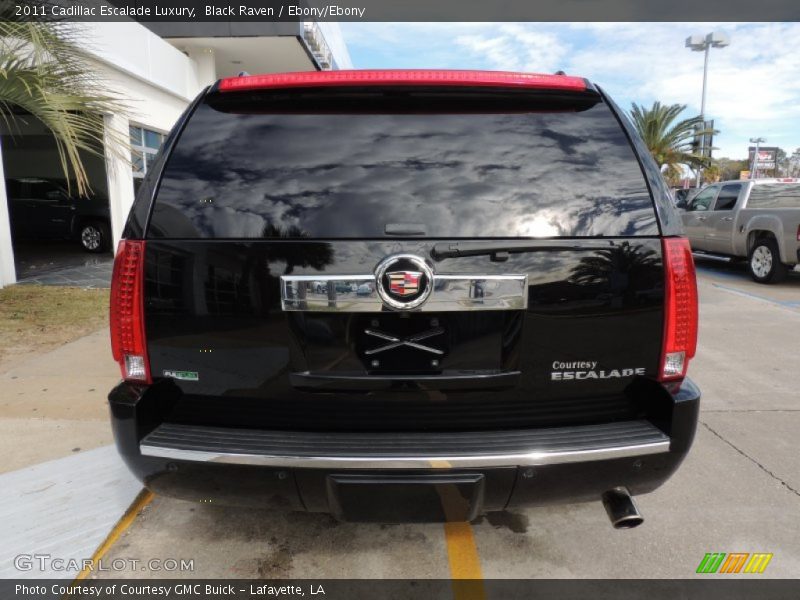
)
(182, 375)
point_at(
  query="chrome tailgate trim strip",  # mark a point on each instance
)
(358, 293)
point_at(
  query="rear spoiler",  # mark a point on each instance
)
(408, 78)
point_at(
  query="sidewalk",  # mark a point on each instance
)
(54, 404)
(64, 485)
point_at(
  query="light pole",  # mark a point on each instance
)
(754, 169)
(699, 43)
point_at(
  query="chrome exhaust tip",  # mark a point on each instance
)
(622, 510)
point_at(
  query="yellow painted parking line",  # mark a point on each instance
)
(143, 499)
(462, 552)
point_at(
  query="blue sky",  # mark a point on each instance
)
(753, 85)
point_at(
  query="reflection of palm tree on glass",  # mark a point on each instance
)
(616, 267)
(295, 252)
(302, 253)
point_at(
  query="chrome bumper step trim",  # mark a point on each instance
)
(288, 449)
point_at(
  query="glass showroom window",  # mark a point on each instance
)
(144, 148)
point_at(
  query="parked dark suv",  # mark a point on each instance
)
(404, 295)
(45, 209)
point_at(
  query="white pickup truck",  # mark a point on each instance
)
(758, 220)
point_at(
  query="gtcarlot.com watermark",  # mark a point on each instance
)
(48, 562)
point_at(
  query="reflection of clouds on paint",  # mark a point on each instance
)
(541, 224)
(501, 175)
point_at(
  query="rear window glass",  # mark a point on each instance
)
(775, 195)
(242, 171)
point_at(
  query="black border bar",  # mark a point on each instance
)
(264, 11)
(708, 587)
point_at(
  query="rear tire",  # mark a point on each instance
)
(94, 236)
(765, 263)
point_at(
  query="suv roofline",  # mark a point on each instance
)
(405, 77)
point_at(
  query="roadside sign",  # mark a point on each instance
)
(766, 157)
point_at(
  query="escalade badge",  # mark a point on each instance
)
(404, 281)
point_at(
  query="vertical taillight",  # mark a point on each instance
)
(128, 341)
(680, 309)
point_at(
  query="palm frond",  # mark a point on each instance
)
(47, 73)
(669, 141)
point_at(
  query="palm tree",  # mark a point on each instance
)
(45, 73)
(669, 142)
(712, 173)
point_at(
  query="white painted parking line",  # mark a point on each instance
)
(63, 508)
(746, 294)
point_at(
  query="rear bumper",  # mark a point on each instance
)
(400, 476)
(287, 449)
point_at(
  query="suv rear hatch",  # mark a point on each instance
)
(277, 203)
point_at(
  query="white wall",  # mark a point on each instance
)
(155, 81)
(8, 273)
(131, 48)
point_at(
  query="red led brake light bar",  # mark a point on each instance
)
(363, 78)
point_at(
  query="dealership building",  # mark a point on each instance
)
(157, 68)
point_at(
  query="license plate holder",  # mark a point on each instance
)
(390, 498)
(389, 343)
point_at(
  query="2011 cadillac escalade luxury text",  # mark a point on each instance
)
(404, 295)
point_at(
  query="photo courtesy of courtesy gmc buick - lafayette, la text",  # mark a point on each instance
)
(404, 296)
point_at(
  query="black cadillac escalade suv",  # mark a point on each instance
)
(404, 295)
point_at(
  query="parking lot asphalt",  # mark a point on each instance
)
(738, 491)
